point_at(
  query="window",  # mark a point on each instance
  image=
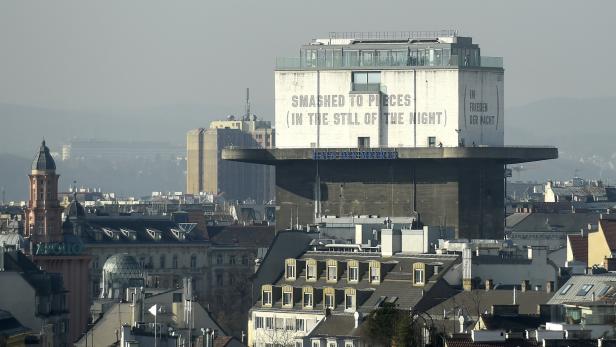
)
(329, 298)
(290, 324)
(290, 269)
(584, 290)
(332, 270)
(279, 323)
(431, 141)
(162, 261)
(177, 297)
(369, 77)
(375, 271)
(298, 344)
(363, 142)
(174, 262)
(266, 295)
(219, 259)
(316, 344)
(258, 322)
(604, 290)
(232, 259)
(331, 344)
(299, 324)
(352, 271)
(244, 260)
(219, 281)
(350, 296)
(419, 274)
(193, 261)
(366, 81)
(311, 270)
(566, 289)
(287, 296)
(269, 322)
(308, 297)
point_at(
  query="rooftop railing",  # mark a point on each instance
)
(392, 35)
(295, 63)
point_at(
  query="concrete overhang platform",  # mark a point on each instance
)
(504, 154)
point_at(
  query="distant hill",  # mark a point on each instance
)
(14, 176)
(582, 129)
(23, 127)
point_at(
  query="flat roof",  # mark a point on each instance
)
(505, 154)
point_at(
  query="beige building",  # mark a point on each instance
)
(206, 172)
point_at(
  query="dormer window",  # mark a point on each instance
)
(266, 295)
(311, 270)
(290, 267)
(308, 297)
(329, 298)
(350, 299)
(419, 274)
(332, 270)
(287, 296)
(375, 272)
(353, 271)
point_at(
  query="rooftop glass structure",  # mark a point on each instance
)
(395, 50)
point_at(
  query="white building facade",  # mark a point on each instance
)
(415, 92)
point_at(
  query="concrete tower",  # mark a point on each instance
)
(44, 214)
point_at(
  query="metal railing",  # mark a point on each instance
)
(295, 63)
(392, 35)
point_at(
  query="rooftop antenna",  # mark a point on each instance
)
(247, 103)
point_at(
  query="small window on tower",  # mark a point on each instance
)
(363, 142)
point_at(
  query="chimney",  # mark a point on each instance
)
(489, 284)
(525, 285)
(467, 279)
(549, 286)
(356, 316)
(609, 264)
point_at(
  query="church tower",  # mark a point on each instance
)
(44, 213)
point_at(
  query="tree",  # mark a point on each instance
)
(388, 326)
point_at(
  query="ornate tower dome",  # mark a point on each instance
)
(43, 161)
(44, 213)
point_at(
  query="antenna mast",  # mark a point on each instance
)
(247, 103)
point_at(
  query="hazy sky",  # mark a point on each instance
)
(134, 55)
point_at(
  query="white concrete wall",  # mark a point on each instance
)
(261, 336)
(451, 105)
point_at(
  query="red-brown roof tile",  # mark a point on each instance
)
(579, 247)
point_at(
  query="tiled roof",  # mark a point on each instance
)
(468, 342)
(396, 280)
(572, 290)
(565, 222)
(579, 246)
(479, 301)
(518, 323)
(609, 230)
(139, 224)
(339, 325)
(251, 236)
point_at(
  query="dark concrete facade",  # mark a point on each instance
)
(458, 187)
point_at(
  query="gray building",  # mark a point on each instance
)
(37, 299)
(392, 124)
(207, 172)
